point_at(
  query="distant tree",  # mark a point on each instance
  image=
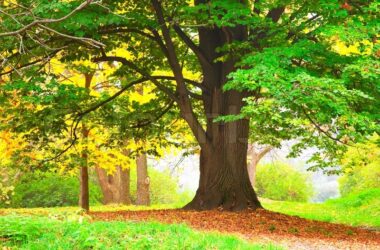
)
(115, 187)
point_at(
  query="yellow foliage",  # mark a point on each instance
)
(95, 145)
(344, 49)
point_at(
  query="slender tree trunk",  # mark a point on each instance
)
(124, 186)
(255, 156)
(142, 181)
(84, 194)
(105, 181)
(84, 190)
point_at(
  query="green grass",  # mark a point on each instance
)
(33, 232)
(361, 209)
(69, 228)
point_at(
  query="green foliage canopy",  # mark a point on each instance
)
(298, 86)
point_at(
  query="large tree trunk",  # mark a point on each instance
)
(142, 181)
(116, 187)
(224, 181)
(105, 183)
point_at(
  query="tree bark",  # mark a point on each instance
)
(116, 187)
(142, 181)
(224, 181)
(255, 157)
(84, 194)
(104, 182)
(124, 186)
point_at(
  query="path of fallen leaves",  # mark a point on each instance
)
(261, 226)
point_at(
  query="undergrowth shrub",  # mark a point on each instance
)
(50, 190)
(361, 168)
(279, 181)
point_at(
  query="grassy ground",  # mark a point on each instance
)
(361, 209)
(75, 232)
(68, 228)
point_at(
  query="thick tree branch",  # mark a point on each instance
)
(184, 103)
(111, 98)
(260, 152)
(114, 30)
(160, 43)
(275, 14)
(263, 152)
(155, 37)
(189, 81)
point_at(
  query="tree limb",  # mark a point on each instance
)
(158, 117)
(319, 128)
(197, 51)
(275, 13)
(184, 103)
(80, 116)
(86, 40)
(46, 21)
(43, 59)
(130, 64)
